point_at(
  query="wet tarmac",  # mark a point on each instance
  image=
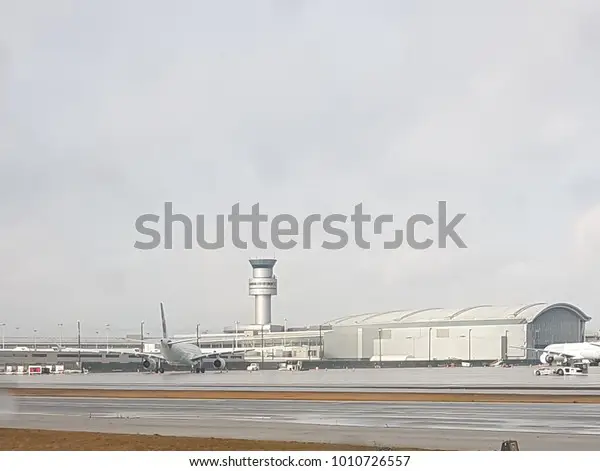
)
(514, 380)
(465, 426)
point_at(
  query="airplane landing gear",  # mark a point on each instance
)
(199, 369)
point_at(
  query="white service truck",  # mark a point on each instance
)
(577, 369)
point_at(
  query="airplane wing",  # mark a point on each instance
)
(77, 350)
(542, 350)
(221, 352)
(190, 340)
(530, 349)
(156, 356)
(153, 356)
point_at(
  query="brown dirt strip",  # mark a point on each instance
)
(48, 440)
(310, 395)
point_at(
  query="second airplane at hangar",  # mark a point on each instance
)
(560, 353)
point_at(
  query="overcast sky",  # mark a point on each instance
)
(109, 109)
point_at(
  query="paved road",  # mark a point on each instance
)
(419, 425)
(520, 379)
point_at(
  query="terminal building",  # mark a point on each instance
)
(483, 333)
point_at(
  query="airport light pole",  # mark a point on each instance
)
(413, 345)
(97, 335)
(79, 346)
(379, 333)
(2, 326)
(470, 344)
(429, 346)
(107, 329)
(284, 331)
(262, 347)
(320, 342)
(198, 335)
(60, 326)
(142, 337)
(237, 323)
(35, 339)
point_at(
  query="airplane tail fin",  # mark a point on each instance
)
(164, 322)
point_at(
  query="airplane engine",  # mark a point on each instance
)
(149, 364)
(549, 359)
(219, 363)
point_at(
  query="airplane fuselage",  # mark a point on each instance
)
(583, 350)
(180, 354)
(187, 354)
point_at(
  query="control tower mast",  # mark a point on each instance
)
(262, 286)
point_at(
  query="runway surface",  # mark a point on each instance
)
(420, 425)
(516, 380)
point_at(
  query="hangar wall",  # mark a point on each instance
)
(442, 343)
(431, 343)
(352, 343)
(558, 325)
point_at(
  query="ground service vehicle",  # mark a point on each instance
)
(577, 369)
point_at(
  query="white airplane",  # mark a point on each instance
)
(559, 353)
(183, 352)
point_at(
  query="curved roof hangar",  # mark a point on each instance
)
(525, 313)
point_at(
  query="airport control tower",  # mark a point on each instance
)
(262, 286)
